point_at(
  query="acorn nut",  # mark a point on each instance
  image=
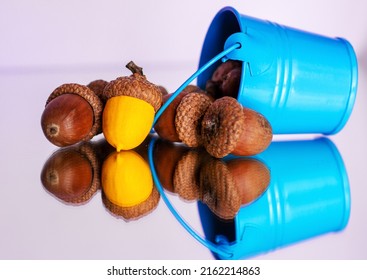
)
(189, 114)
(72, 114)
(165, 125)
(130, 108)
(225, 80)
(227, 127)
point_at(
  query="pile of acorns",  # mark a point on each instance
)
(214, 118)
(124, 111)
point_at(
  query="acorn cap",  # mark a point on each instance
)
(189, 114)
(222, 126)
(218, 189)
(87, 94)
(133, 212)
(135, 85)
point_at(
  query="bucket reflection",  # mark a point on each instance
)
(308, 196)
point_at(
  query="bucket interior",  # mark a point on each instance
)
(224, 24)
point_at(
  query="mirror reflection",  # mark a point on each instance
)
(73, 175)
(308, 196)
(223, 185)
(293, 191)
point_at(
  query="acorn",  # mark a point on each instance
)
(165, 125)
(227, 127)
(130, 108)
(189, 114)
(72, 114)
(225, 80)
(98, 87)
(72, 174)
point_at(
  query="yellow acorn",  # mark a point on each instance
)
(130, 108)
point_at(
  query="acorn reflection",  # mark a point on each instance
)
(166, 155)
(72, 174)
(224, 186)
(127, 184)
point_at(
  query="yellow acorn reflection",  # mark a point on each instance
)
(128, 185)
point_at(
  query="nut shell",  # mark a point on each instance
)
(165, 126)
(87, 94)
(256, 136)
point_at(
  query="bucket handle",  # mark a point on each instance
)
(227, 50)
(211, 246)
(256, 51)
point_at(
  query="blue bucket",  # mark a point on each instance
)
(308, 196)
(300, 81)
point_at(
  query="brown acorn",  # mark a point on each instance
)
(225, 80)
(72, 114)
(227, 127)
(231, 83)
(165, 126)
(189, 114)
(72, 174)
(98, 87)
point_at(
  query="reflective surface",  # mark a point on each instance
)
(295, 200)
(293, 194)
